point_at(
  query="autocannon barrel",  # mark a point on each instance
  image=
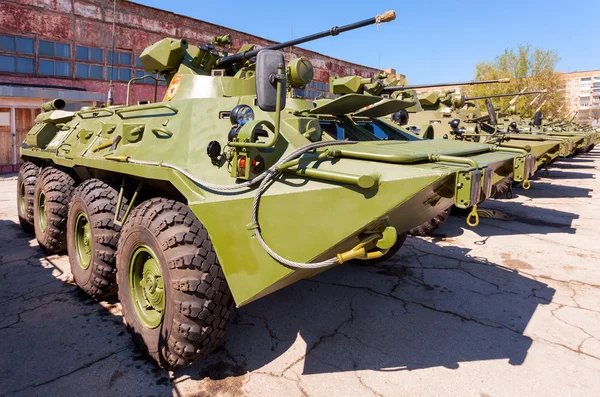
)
(504, 95)
(416, 86)
(55, 104)
(334, 31)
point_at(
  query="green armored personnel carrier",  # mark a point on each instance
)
(345, 118)
(224, 191)
(583, 139)
(453, 116)
(378, 126)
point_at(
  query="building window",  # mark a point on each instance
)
(49, 67)
(85, 71)
(124, 74)
(7, 43)
(120, 58)
(89, 71)
(16, 64)
(25, 65)
(20, 45)
(142, 73)
(24, 45)
(7, 64)
(89, 54)
(586, 79)
(138, 62)
(119, 74)
(52, 49)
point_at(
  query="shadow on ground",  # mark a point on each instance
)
(53, 337)
(427, 307)
(513, 218)
(542, 189)
(557, 173)
(573, 164)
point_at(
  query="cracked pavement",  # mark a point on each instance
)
(509, 308)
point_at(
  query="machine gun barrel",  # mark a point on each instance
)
(334, 31)
(417, 86)
(472, 98)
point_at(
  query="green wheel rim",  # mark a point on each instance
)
(147, 287)
(42, 211)
(83, 240)
(22, 202)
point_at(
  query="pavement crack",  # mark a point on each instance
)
(31, 309)
(98, 360)
(577, 351)
(405, 302)
(275, 341)
(361, 380)
(323, 338)
(553, 312)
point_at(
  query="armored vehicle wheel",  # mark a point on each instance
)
(176, 301)
(25, 190)
(52, 194)
(92, 237)
(391, 252)
(430, 226)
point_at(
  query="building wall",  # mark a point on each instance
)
(88, 23)
(67, 44)
(582, 90)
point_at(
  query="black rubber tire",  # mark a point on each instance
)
(391, 252)
(502, 187)
(198, 302)
(97, 199)
(26, 186)
(430, 226)
(58, 187)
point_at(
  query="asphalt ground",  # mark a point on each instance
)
(510, 308)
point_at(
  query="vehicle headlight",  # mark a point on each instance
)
(241, 114)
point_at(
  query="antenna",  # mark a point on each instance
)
(109, 100)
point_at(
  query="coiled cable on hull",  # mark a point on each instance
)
(264, 180)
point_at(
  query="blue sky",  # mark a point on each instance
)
(430, 41)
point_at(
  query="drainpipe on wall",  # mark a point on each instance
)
(13, 132)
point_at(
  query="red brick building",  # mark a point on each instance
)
(63, 48)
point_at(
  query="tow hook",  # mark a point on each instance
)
(383, 242)
(473, 217)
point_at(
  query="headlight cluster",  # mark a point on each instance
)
(241, 114)
(400, 117)
(456, 129)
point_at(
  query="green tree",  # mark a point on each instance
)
(529, 68)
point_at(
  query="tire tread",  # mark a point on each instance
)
(200, 316)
